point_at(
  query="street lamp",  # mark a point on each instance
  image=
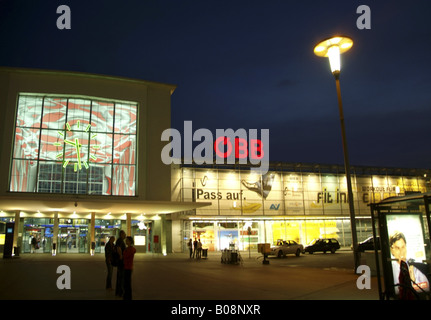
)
(332, 48)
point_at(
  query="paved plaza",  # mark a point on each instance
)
(176, 277)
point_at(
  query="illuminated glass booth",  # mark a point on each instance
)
(401, 229)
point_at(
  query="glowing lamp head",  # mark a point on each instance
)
(334, 58)
(332, 48)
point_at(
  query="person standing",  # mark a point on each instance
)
(195, 247)
(128, 256)
(109, 250)
(190, 245)
(34, 243)
(120, 246)
(199, 249)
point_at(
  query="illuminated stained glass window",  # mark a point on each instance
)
(74, 145)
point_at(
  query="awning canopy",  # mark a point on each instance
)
(84, 205)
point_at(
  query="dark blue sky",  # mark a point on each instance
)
(250, 64)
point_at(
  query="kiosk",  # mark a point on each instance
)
(402, 227)
(8, 241)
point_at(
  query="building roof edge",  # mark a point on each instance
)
(172, 87)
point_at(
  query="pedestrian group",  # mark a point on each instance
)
(120, 255)
(195, 248)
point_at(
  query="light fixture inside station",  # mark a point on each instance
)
(142, 226)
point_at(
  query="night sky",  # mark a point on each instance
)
(250, 64)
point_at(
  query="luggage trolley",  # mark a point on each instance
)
(231, 257)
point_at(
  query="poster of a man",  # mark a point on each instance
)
(407, 248)
(398, 247)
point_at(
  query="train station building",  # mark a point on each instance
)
(81, 159)
(292, 201)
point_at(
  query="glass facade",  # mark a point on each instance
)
(248, 209)
(240, 234)
(104, 229)
(141, 231)
(73, 236)
(239, 192)
(37, 235)
(74, 145)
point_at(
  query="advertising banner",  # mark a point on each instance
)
(407, 248)
(242, 193)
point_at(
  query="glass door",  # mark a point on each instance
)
(47, 240)
(104, 229)
(72, 240)
(37, 235)
(83, 239)
(73, 236)
(62, 240)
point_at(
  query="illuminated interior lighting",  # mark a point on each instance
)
(142, 226)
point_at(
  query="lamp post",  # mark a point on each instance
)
(332, 48)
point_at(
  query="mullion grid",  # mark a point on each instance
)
(64, 179)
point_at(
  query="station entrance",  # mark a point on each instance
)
(73, 239)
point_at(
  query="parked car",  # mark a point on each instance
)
(286, 247)
(323, 245)
(368, 244)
